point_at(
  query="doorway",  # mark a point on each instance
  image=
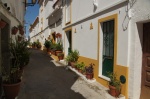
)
(4, 47)
(145, 83)
(68, 41)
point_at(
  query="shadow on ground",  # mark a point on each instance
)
(43, 80)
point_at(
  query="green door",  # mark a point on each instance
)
(108, 47)
(69, 37)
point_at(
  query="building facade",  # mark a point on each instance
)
(34, 30)
(12, 14)
(111, 35)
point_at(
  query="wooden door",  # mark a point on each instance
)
(145, 86)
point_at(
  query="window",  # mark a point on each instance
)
(68, 11)
(108, 47)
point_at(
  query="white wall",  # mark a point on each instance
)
(140, 13)
(17, 8)
(83, 8)
(86, 40)
(15, 19)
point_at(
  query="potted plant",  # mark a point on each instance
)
(58, 48)
(60, 56)
(80, 67)
(20, 27)
(47, 44)
(11, 75)
(89, 71)
(114, 85)
(14, 30)
(74, 56)
(38, 44)
(68, 59)
(2, 24)
(34, 45)
(53, 48)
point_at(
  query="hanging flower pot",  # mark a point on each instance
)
(14, 30)
(2, 24)
(21, 32)
(20, 27)
(58, 35)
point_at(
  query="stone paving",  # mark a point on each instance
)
(43, 80)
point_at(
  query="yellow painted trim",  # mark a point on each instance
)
(55, 57)
(66, 23)
(120, 70)
(67, 29)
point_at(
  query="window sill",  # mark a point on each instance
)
(104, 77)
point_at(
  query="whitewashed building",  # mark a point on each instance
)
(50, 18)
(34, 30)
(114, 35)
(12, 14)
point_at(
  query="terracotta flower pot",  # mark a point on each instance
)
(113, 91)
(89, 75)
(72, 64)
(79, 70)
(21, 32)
(57, 52)
(14, 31)
(2, 24)
(11, 90)
(61, 57)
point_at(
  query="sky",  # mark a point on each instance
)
(31, 13)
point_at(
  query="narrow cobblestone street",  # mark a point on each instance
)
(43, 80)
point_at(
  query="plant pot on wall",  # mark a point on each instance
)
(21, 32)
(2, 24)
(20, 27)
(14, 30)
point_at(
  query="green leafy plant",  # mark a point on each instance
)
(68, 59)
(38, 44)
(59, 47)
(75, 55)
(19, 58)
(47, 44)
(34, 44)
(114, 81)
(80, 66)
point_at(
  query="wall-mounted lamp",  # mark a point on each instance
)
(75, 30)
(91, 26)
(95, 2)
(30, 4)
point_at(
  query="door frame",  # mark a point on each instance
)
(100, 48)
(65, 37)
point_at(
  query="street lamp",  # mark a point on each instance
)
(30, 4)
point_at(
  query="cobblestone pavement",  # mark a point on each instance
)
(43, 80)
